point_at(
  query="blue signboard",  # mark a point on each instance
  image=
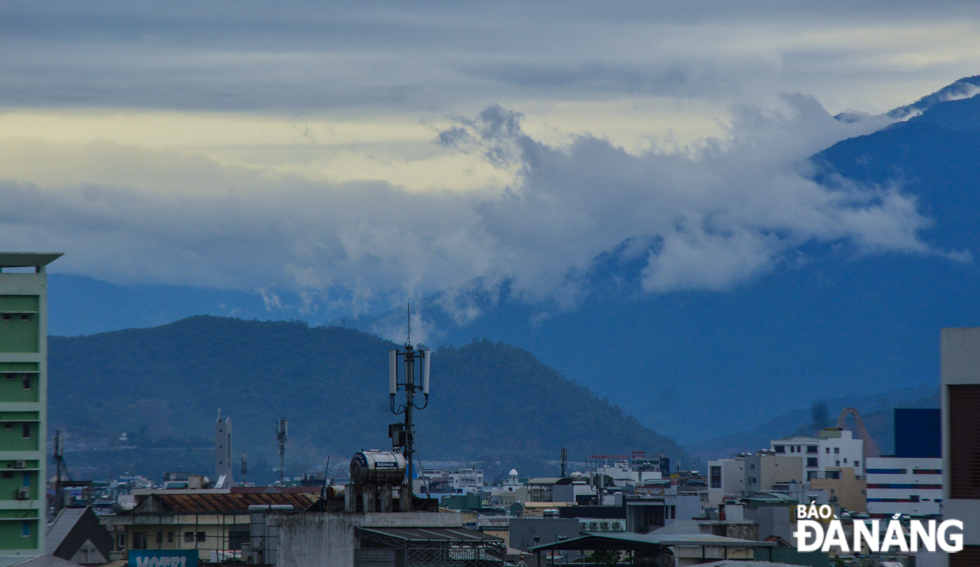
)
(162, 558)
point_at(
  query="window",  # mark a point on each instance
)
(833, 475)
(715, 476)
(799, 449)
(25, 316)
(26, 481)
(139, 540)
(845, 460)
(8, 474)
(836, 450)
(914, 497)
(236, 538)
(838, 463)
(8, 425)
(27, 381)
(27, 431)
(857, 463)
(170, 537)
(201, 537)
(964, 445)
(811, 448)
(11, 376)
(189, 536)
(828, 449)
(811, 462)
(7, 316)
(780, 448)
(25, 529)
(159, 537)
(120, 542)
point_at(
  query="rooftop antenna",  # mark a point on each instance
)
(281, 437)
(403, 435)
(564, 461)
(244, 467)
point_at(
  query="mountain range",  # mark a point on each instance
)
(699, 365)
(163, 387)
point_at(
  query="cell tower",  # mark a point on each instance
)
(281, 437)
(403, 434)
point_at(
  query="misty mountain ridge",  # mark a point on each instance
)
(691, 364)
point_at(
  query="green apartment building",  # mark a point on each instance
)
(23, 404)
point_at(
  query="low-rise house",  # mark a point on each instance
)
(215, 523)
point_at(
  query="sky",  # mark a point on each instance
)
(393, 150)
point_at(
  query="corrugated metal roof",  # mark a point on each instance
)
(429, 535)
(190, 503)
(63, 523)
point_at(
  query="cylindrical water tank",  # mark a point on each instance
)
(377, 467)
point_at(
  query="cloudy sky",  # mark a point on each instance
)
(417, 147)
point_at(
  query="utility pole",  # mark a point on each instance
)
(244, 467)
(281, 437)
(60, 466)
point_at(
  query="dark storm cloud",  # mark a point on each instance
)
(311, 56)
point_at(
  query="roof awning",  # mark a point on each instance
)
(27, 259)
(628, 541)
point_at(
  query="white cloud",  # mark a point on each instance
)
(707, 218)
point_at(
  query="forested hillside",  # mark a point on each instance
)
(163, 387)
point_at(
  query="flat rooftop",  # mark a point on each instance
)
(28, 259)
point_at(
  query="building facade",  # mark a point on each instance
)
(912, 487)
(832, 448)
(23, 404)
(960, 398)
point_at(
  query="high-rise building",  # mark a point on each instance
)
(918, 433)
(960, 394)
(223, 472)
(23, 404)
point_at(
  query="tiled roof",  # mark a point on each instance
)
(190, 503)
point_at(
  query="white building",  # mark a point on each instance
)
(462, 481)
(833, 448)
(726, 478)
(622, 474)
(913, 487)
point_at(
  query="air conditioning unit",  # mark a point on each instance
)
(23, 493)
(618, 526)
(20, 464)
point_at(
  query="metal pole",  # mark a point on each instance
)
(410, 396)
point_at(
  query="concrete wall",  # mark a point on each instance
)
(772, 521)
(314, 539)
(763, 471)
(849, 489)
(548, 530)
